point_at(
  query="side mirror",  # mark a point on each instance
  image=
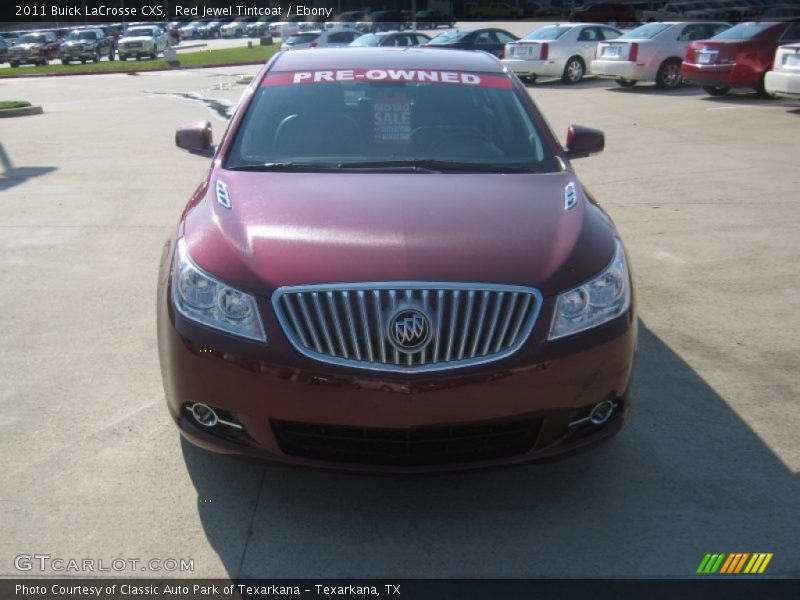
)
(196, 138)
(584, 141)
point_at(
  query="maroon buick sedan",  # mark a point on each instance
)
(391, 266)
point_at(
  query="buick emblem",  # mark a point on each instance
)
(409, 330)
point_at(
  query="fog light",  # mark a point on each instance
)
(205, 415)
(601, 412)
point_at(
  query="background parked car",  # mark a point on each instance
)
(284, 28)
(392, 38)
(190, 31)
(431, 19)
(86, 44)
(208, 30)
(3, 50)
(738, 57)
(784, 79)
(35, 48)
(383, 20)
(652, 52)
(257, 28)
(489, 39)
(346, 20)
(319, 39)
(604, 12)
(312, 23)
(561, 50)
(10, 37)
(113, 32)
(142, 41)
(235, 29)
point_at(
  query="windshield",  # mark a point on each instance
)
(367, 40)
(645, 32)
(547, 33)
(448, 37)
(31, 38)
(743, 31)
(135, 32)
(379, 119)
(82, 35)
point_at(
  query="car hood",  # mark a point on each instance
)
(138, 38)
(290, 229)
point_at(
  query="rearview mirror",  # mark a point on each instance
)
(196, 138)
(583, 141)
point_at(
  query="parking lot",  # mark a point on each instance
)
(705, 193)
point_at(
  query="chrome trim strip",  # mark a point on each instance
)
(392, 363)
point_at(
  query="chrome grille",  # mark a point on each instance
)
(350, 324)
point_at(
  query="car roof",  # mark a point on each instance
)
(471, 29)
(381, 58)
(568, 25)
(388, 33)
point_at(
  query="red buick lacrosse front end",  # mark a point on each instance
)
(391, 266)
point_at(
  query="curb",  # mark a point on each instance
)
(23, 111)
(136, 71)
(189, 46)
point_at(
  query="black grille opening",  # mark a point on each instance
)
(406, 447)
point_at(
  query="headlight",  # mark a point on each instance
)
(597, 301)
(200, 297)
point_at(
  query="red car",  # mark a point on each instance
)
(738, 57)
(391, 265)
(36, 47)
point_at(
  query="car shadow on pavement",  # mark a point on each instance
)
(11, 175)
(557, 83)
(745, 99)
(647, 89)
(686, 476)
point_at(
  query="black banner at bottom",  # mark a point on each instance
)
(406, 589)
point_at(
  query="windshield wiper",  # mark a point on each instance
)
(425, 165)
(284, 166)
(432, 165)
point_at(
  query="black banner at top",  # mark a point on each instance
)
(58, 12)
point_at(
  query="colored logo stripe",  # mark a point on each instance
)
(733, 563)
(758, 563)
(711, 563)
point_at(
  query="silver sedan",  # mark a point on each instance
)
(562, 50)
(652, 52)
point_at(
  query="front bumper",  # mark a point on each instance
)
(24, 59)
(134, 51)
(71, 54)
(540, 68)
(274, 387)
(782, 83)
